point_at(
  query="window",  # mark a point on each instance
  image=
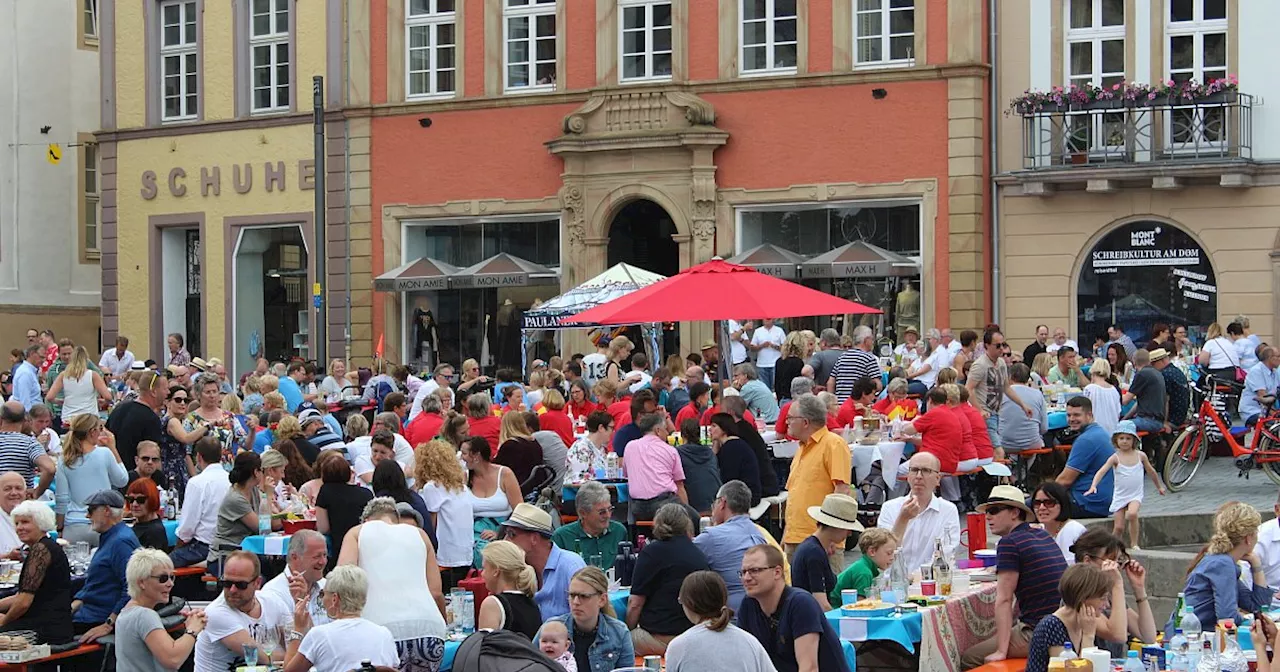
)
(1197, 50)
(1095, 56)
(432, 48)
(646, 40)
(269, 46)
(89, 199)
(91, 19)
(767, 34)
(530, 37)
(180, 79)
(884, 32)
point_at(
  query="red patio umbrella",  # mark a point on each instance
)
(717, 290)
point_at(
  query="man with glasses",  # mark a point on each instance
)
(787, 621)
(303, 576)
(921, 517)
(441, 376)
(94, 610)
(822, 465)
(595, 535)
(1029, 565)
(238, 615)
(725, 542)
(200, 504)
(148, 467)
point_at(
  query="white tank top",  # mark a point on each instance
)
(493, 506)
(395, 558)
(78, 396)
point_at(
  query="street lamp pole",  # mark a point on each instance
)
(319, 338)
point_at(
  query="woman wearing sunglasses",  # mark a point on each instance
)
(141, 640)
(1052, 505)
(176, 441)
(143, 500)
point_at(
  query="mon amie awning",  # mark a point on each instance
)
(500, 270)
(418, 275)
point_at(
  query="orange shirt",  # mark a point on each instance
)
(820, 463)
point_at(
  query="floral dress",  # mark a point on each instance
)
(583, 460)
(230, 434)
(173, 457)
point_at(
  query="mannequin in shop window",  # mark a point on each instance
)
(510, 319)
(425, 338)
(906, 312)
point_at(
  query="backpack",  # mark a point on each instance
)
(501, 651)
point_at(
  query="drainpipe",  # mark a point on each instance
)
(346, 174)
(993, 114)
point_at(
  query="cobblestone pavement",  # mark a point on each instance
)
(1214, 484)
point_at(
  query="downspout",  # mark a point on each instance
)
(993, 114)
(346, 173)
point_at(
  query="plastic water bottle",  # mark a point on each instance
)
(1068, 652)
(264, 516)
(1177, 658)
(1133, 663)
(1191, 627)
(468, 612)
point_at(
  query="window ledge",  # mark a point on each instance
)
(522, 90)
(885, 65)
(772, 72)
(268, 112)
(91, 257)
(173, 121)
(644, 80)
(421, 97)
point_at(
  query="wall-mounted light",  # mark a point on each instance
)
(879, 94)
(425, 122)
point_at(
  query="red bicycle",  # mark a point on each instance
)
(1192, 446)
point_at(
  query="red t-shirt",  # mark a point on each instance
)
(488, 427)
(582, 410)
(940, 435)
(848, 411)
(686, 412)
(706, 415)
(621, 412)
(981, 440)
(558, 422)
(833, 422)
(965, 449)
(423, 428)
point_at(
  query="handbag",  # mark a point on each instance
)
(1241, 374)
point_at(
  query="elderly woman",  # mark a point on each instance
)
(356, 426)
(733, 456)
(43, 601)
(714, 642)
(143, 500)
(511, 583)
(404, 583)
(481, 421)
(653, 610)
(601, 641)
(428, 423)
(331, 386)
(444, 488)
(348, 639)
(142, 643)
(1214, 590)
(1105, 551)
(89, 464)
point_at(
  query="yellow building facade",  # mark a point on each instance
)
(209, 179)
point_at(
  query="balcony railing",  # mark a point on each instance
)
(1219, 128)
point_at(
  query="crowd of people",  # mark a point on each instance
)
(415, 480)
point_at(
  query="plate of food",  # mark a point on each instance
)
(867, 608)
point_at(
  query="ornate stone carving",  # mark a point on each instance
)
(575, 217)
(635, 111)
(698, 111)
(576, 122)
(704, 229)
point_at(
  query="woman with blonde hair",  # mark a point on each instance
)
(947, 375)
(247, 424)
(1040, 369)
(1219, 354)
(511, 583)
(356, 426)
(89, 464)
(141, 642)
(1104, 396)
(553, 417)
(537, 387)
(619, 356)
(602, 641)
(252, 390)
(789, 365)
(80, 386)
(444, 484)
(517, 448)
(470, 377)
(1214, 590)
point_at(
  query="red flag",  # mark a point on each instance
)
(377, 351)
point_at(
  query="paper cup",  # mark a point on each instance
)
(848, 597)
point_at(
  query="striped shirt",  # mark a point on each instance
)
(854, 365)
(18, 453)
(1035, 556)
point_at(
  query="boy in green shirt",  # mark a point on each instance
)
(877, 546)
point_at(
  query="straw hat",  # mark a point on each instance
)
(1158, 354)
(837, 510)
(199, 364)
(708, 344)
(530, 518)
(1006, 495)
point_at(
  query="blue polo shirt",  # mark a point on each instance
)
(553, 597)
(1035, 556)
(724, 545)
(292, 394)
(1090, 451)
(105, 590)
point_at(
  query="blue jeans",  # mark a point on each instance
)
(766, 376)
(191, 554)
(993, 429)
(1148, 424)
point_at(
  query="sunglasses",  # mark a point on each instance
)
(1044, 503)
(181, 400)
(238, 585)
(136, 499)
(996, 509)
(143, 458)
(162, 578)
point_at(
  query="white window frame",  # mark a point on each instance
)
(431, 22)
(181, 51)
(770, 44)
(1196, 29)
(530, 12)
(273, 41)
(90, 19)
(647, 30)
(1094, 35)
(885, 36)
(90, 173)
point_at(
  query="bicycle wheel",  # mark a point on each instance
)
(1267, 445)
(1185, 456)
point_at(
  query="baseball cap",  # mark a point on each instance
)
(308, 416)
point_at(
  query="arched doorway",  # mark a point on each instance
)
(1141, 273)
(640, 235)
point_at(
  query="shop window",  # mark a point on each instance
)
(529, 28)
(431, 67)
(1095, 56)
(768, 37)
(1142, 273)
(884, 32)
(179, 66)
(645, 42)
(269, 47)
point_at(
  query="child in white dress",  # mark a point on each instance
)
(1129, 463)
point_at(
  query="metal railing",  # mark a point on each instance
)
(1167, 132)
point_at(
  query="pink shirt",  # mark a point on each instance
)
(653, 468)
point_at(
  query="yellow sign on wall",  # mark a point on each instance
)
(54, 155)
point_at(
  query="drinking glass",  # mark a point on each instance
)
(595, 560)
(250, 654)
(268, 639)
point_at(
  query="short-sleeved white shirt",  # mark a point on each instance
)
(211, 654)
(344, 644)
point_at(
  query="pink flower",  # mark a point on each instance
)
(1169, 83)
(1151, 96)
(1115, 87)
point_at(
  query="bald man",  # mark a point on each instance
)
(13, 491)
(20, 452)
(921, 517)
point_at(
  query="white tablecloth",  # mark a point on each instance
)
(887, 453)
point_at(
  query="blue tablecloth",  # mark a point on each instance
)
(904, 630)
(570, 492)
(258, 544)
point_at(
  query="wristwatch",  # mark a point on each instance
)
(111, 620)
(294, 635)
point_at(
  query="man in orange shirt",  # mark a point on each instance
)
(821, 466)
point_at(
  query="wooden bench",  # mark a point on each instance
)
(82, 650)
(1007, 665)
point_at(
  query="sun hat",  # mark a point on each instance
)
(1124, 427)
(910, 330)
(530, 518)
(1006, 495)
(837, 510)
(708, 344)
(1158, 354)
(199, 364)
(138, 366)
